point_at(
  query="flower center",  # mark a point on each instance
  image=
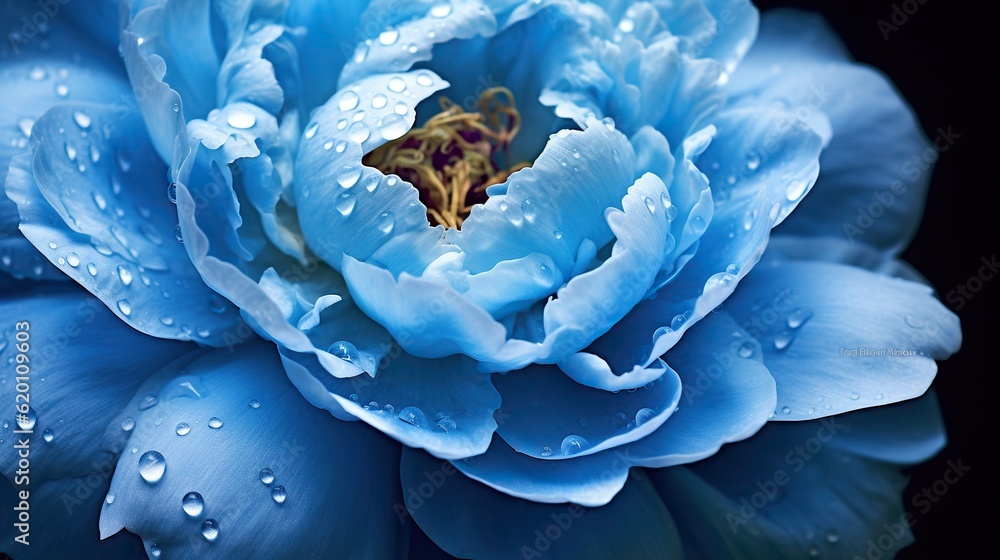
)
(450, 160)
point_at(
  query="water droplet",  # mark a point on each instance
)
(125, 307)
(37, 74)
(445, 425)
(388, 37)
(650, 205)
(175, 107)
(73, 259)
(359, 132)
(832, 536)
(397, 84)
(266, 476)
(70, 152)
(192, 504)
(797, 318)
(183, 429)
(215, 422)
(386, 221)
(109, 499)
(503, 206)
(348, 101)
(813, 551)
(62, 90)
(25, 125)
(782, 341)
(753, 163)
(546, 451)
(128, 424)
(401, 108)
(278, 494)
(677, 321)
(178, 234)
(441, 9)
(609, 123)
(210, 529)
(126, 277)
(311, 130)
(241, 120)
(167, 320)
(379, 101)
(47, 436)
(644, 415)
(81, 119)
(413, 416)
(154, 551)
(424, 79)
(855, 396)
(733, 269)
(795, 190)
(619, 420)
(172, 192)
(557, 233)
(879, 396)
(393, 127)
(254, 404)
(746, 350)
(573, 444)
(151, 466)
(786, 410)
(914, 322)
(345, 351)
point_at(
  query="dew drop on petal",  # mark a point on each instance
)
(125, 307)
(311, 130)
(47, 436)
(348, 101)
(215, 422)
(241, 120)
(183, 429)
(266, 476)
(81, 119)
(413, 416)
(210, 529)
(345, 351)
(151, 466)
(782, 341)
(128, 424)
(254, 404)
(192, 504)
(393, 127)
(573, 444)
(388, 37)
(278, 494)
(386, 221)
(797, 318)
(643, 416)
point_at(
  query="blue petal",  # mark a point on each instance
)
(77, 385)
(728, 395)
(469, 520)
(346, 208)
(444, 406)
(907, 433)
(878, 156)
(93, 167)
(52, 66)
(242, 418)
(548, 416)
(63, 516)
(796, 494)
(760, 165)
(816, 320)
(839, 250)
(591, 480)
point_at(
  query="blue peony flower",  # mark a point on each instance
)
(538, 278)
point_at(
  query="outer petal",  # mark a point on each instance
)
(444, 406)
(83, 366)
(468, 520)
(54, 65)
(756, 511)
(244, 417)
(89, 170)
(837, 338)
(878, 154)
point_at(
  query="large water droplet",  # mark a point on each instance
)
(254, 404)
(151, 466)
(345, 351)
(192, 504)
(345, 203)
(125, 307)
(348, 176)
(125, 275)
(81, 119)
(348, 101)
(746, 350)
(393, 127)
(795, 190)
(397, 84)
(311, 130)
(388, 37)
(215, 422)
(644, 415)
(379, 100)
(573, 444)
(128, 424)
(619, 421)
(783, 339)
(210, 529)
(413, 416)
(386, 221)
(359, 132)
(266, 476)
(47, 436)
(797, 318)
(73, 259)
(441, 9)
(445, 425)
(241, 119)
(278, 494)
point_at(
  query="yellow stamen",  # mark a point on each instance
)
(450, 158)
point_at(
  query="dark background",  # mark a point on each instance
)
(939, 60)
